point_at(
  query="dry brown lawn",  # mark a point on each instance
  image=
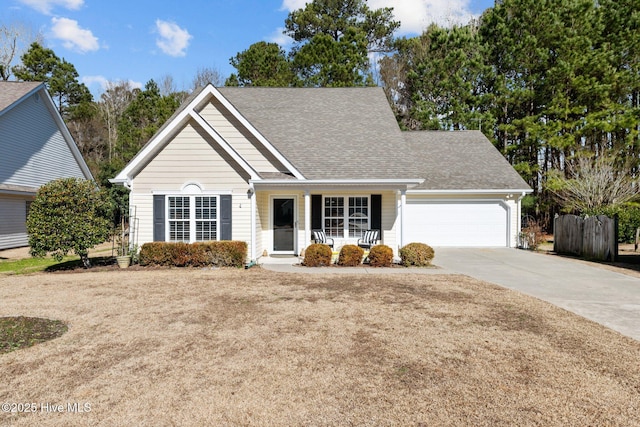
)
(236, 347)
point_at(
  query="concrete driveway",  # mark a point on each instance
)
(609, 298)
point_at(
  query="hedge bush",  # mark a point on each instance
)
(628, 219)
(350, 256)
(381, 256)
(227, 253)
(418, 254)
(317, 255)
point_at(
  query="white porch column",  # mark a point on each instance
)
(403, 204)
(307, 218)
(252, 198)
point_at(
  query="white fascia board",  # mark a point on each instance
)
(150, 147)
(490, 191)
(225, 146)
(392, 184)
(75, 151)
(234, 111)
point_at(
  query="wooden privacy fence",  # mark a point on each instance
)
(593, 237)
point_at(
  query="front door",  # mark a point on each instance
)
(283, 225)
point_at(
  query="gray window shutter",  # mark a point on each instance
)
(316, 212)
(159, 222)
(376, 213)
(225, 217)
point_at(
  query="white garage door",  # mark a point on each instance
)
(460, 224)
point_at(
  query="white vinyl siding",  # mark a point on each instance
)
(245, 144)
(190, 158)
(33, 148)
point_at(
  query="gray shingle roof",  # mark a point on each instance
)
(351, 133)
(327, 133)
(460, 160)
(10, 92)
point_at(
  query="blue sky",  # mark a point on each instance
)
(139, 40)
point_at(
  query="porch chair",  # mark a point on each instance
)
(319, 236)
(369, 239)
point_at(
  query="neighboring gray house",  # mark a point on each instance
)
(269, 165)
(35, 148)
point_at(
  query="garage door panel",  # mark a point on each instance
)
(460, 223)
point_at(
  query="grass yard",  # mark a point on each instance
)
(236, 347)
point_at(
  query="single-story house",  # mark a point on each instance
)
(269, 165)
(36, 147)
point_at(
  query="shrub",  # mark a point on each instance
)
(177, 254)
(317, 255)
(68, 214)
(628, 219)
(531, 236)
(418, 254)
(350, 255)
(381, 256)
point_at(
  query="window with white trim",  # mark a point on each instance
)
(358, 216)
(187, 224)
(351, 222)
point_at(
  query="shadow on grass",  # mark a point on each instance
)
(76, 264)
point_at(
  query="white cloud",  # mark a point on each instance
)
(414, 15)
(45, 6)
(173, 40)
(292, 5)
(73, 37)
(279, 37)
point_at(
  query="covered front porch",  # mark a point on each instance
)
(288, 211)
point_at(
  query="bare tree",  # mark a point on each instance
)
(15, 39)
(115, 99)
(167, 85)
(206, 75)
(591, 184)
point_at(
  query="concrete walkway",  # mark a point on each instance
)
(609, 298)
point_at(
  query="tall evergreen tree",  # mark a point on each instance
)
(61, 78)
(263, 64)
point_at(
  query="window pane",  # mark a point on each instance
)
(179, 231)
(179, 219)
(206, 216)
(358, 216)
(206, 230)
(178, 208)
(334, 216)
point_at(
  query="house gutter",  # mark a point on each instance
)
(126, 183)
(475, 191)
(310, 183)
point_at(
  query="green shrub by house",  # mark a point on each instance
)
(317, 255)
(381, 256)
(418, 254)
(227, 253)
(350, 256)
(68, 215)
